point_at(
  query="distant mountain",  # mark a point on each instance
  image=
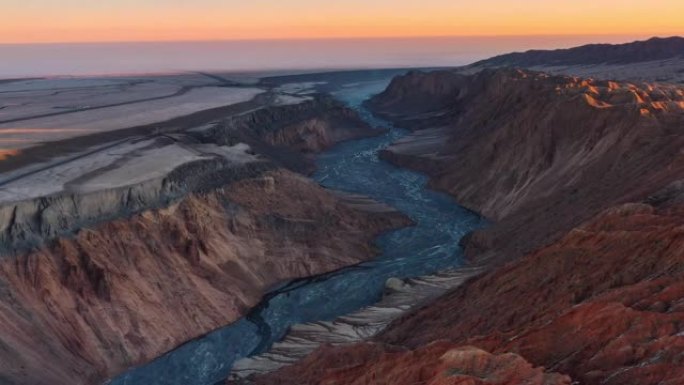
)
(635, 52)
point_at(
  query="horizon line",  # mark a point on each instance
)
(347, 38)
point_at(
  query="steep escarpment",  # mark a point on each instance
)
(290, 134)
(440, 363)
(33, 214)
(111, 258)
(603, 305)
(122, 292)
(142, 173)
(538, 154)
(582, 179)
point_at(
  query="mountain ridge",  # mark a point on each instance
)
(653, 49)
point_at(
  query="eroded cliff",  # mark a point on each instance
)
(127, 290)
(582, 179)
(538, 154)
(603, 305)
(290, 134)
(122, 255)
(440, 363)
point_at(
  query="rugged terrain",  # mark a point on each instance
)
(537, 154)
(440, 363)
(603, 305)
(290, 134)
(582, 181)
(134, 249)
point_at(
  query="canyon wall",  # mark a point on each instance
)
(96, 278)
(603, 305)
(582, 181)
(535, 153)
(440, 363)
(290, 134)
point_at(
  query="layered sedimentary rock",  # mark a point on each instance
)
(132, 175)
(124, 179)
(440, 363)
(603, 304)
(131, 251)
(536, 153)
(127, 290)
(289, 134)
(595, 296)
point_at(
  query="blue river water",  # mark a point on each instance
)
(429, 246)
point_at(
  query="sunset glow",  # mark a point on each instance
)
(37, 21)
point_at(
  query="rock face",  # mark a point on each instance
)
(583, 179)
(440, 363)
(60, 201)
(118, 262)
(125, 291)
(536, 153)
(141, 173)
(289, 134)
(603, 304)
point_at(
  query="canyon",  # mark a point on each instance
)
(581, 180)
(182, 223)
(512, 144)
(515, 221)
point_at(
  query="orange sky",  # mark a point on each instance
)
(31, 21)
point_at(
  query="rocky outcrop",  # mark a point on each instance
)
(536, 153)
(123, 292)
(113, 257)
(603, 305)
(34, 220)
(596, 295)
(289, 134)
(55, 201)
(440, 363)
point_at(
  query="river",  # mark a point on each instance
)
(429, 246)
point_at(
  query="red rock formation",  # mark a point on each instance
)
(538, 154)
(125, 291)
(440, 363)
(602, 300)
(604, 305)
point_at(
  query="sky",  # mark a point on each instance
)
(50, 21)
